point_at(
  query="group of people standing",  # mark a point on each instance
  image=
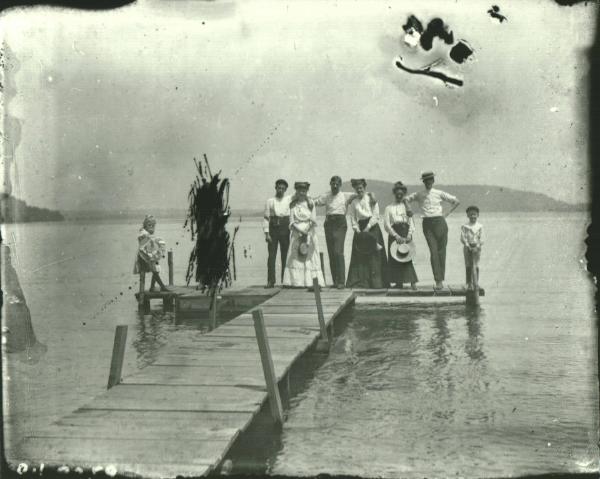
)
(290, 223)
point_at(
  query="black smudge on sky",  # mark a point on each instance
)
(461, 51)
(436, 28)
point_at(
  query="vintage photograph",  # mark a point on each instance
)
(292, 238)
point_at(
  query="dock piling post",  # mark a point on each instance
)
(116, 362)
(233, 257)
(141, 291)
(170, 264)
(322, 326)
(322, 264)
(267, 365)
(213, 309)
(175, 309)
(472, 295)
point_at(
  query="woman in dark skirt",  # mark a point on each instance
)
(400, 227)
(368, 263)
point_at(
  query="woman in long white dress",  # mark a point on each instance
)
(303, 263)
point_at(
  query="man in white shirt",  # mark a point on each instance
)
(336, 205)
(435, 227)
(276, 226)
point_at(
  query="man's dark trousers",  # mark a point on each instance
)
(279, 230)
(335, 236)
(435, 230)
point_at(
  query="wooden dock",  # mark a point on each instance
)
(188, 301)
(181, 415)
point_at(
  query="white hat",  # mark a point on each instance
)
(402, 252)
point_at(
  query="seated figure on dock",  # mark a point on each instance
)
(150, 250)
(471, 236)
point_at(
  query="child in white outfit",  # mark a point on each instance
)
(471, 236)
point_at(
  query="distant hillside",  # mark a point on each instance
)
(487, 198)
(100, 215)
(13, 210)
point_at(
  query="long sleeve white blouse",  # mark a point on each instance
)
(361, 209)
(396, 213)
(302, 217)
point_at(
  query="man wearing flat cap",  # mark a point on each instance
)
(276, 226)
(435, 227)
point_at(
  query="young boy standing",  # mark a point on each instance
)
(471, 236)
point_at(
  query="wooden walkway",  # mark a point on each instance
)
(180, 415)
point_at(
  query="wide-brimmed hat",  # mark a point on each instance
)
(303, 248)
(402, 252)
(427, 175)
(365, 243)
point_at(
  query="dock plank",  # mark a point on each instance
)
(201, 375)
(242, 358)
(179, 398)
(212, 422)
(181, 414)
(274, 332)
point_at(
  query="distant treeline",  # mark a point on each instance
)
(13, 210)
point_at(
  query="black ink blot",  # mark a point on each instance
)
(494, 12)
(461, 51)
(413, 23)
(436, 28)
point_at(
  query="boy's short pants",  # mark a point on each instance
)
(471, 257)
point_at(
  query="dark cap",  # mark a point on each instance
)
(360, 181)
(302, 184)
(427, 175)
(281, 181)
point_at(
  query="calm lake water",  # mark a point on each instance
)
(407, 391)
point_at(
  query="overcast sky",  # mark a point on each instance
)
(113, 106)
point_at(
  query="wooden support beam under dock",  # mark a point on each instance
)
(181, 414)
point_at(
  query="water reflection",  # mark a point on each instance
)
(398, 378)
(151, 333)
(474, 345)
(439, 340)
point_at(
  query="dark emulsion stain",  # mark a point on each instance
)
(494, 12)
(413, 23)
(461, 51)
(432, 73)
(207, 218)
(80, 4)
(436, 28)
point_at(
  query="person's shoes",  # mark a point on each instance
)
(413, 286)
(340, 286)
(164, 289)
(270, 285)
(439, 285)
